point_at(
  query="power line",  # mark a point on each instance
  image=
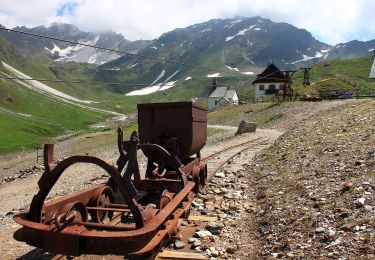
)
(75, 81)
(117, 51)
(96, 82)
(90, 82)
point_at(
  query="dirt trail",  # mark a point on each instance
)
(17, 194)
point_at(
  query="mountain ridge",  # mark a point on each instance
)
(61, 51)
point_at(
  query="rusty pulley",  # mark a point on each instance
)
(102, 198)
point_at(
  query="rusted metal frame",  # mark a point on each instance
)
(53, 173)
(130, 169)
(187, 169)
(41, 235)
(156, 222)
(108, 209)
(50, 208)
(122, 227)
(173, 161)
(228, 159)
(169, 226)
(172, 185)
(44, 236)
(128, 154)
(167, 158)
(161, 234)
(158, 185)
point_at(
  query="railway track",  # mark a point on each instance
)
(215, 161)
(218, 163)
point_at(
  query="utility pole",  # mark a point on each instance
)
(306, 76)
(288, 83)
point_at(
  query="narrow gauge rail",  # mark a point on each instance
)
(127, 215)
(255, 143)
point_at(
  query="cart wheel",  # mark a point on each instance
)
(197, 179)
(203, 173)
(72, 212)
(102, 198)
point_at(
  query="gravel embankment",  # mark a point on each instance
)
(315, 187)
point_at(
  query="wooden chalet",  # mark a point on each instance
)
(273, 81)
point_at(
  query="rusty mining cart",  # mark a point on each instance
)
(128, 214)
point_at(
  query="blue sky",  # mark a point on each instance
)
(67, 9)
(330, 21)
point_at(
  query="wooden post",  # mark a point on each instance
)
(37, 155)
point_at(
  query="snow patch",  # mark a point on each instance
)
(158, 77)
(152, 89)
(247, 73)
(318, 55)
(242, 32)
(154, 47)
(93, 58)
(171, 76)
(306, 58)
(168, 85)
(188, 78)
(132, 66)
(370, 50)
(233, 23)
(144, 91)
(205, 30)
(214, 75)
(236, 21)
(63, 52)
(324, 51)
(257, 29)
(70, 49)
(232, 69)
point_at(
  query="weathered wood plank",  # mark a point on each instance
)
(202, 218)
(166, 254)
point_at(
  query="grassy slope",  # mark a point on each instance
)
(48, 117)
(357, 69)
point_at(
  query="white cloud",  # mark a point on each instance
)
(330, 21)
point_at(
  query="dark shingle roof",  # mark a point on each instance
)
(270, 74)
